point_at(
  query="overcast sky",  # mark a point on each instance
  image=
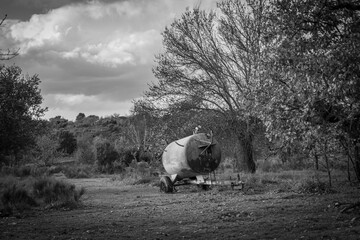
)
(92, 56)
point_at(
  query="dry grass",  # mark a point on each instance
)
(20, 194)
(299, 181)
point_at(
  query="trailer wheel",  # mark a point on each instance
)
(166, 185)
(204, 187)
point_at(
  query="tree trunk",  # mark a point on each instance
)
(328, 168)
(348, 169)
(246, 144)
(316, 161)
(357, 160)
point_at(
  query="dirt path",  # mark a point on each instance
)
(112, 211)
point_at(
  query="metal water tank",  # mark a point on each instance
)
(191, 156)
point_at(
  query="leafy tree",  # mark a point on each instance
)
(105, 154)
(67, 142)
(46, 146)
(310, 88)
(20, 108)
(85, 150)
(80, 117)
(59, 122)
(211, 61)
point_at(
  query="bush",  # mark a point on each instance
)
(57, 193)
(67, 142)
(311, 186)
(7, 170)
(46, 146)
(269, 166)
(23, 171)
(39, 171)
(16, 198)
(19, 195)
(80, 171)
(146, 180)
(127, 154)
(143, 168)
(85, 152)
(105, 155)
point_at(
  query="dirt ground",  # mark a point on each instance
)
(114, 211)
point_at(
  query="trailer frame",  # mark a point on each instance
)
(168, 183)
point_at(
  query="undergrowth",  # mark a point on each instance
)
(286, 181)
(18, 195)
(70, 171)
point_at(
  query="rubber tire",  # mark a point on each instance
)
(204, 187)
(166, 185)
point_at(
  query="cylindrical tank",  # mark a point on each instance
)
(191, 156)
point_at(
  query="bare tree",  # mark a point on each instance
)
(7, 54)
(212, 59)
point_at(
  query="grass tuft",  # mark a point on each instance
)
(56, 193)
(20, 194)
(312, 186)
(16, 198)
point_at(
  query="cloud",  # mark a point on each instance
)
(121, 50)
(69, 106)
(106, 34)
(92, 55)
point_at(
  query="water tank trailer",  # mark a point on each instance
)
(191, 160)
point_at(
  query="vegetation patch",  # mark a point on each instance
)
(79, 171)
(312, 186)
(18, 195)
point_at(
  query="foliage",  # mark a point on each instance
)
(47, 147)
(288, 69)
(127, 155)
(105, 154)
(85, 151)
(80, 117)
(19, 195)
(20, 101)
(211, 62)
(67, 142)
(16, 198)
(312, 186)
(78, 171)
(309, 87)
(57, 193)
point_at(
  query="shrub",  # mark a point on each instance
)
(17, 195)
(270, 166)
(23, 171)
(67, 142)
(7, 170)
(53, 169)
(119, 166)
(85, 152)
(80, 171)
(311, 186)
(105, 155)
(46, 146)
(16, 198)
(127, 154)
(143, 168)
(39, 171)
(146, 180)
(57, 193)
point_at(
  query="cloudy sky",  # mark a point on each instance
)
(92, 56)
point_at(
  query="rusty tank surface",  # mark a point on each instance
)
(192, 156)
